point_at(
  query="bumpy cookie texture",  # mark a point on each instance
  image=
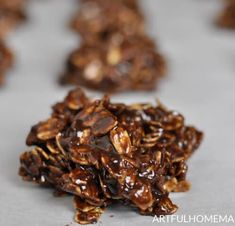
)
(97, 19)
(116, 65)
(11, 14)
(6, 61)
(102, 152)
(227, 18)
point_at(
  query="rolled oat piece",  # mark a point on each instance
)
(116, 65)
(103, 152)
(6, 61)
(227, 17)
(95, 20)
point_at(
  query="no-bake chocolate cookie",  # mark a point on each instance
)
(116, 65)
(95, 20)
(227, 18)
(6, 61)
(102, 152)
(11, 14)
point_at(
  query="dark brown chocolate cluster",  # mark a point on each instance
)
(11, 14)
(227, 18)
(115, 53)
(116, 65)
(98, 19)
(103, 152)
(6, 61)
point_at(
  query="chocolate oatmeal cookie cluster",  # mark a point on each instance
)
(115, 53)
(11, 14)
(103, 152)
(227, 18)
(6, 61)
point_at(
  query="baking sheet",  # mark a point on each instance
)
(200, 84)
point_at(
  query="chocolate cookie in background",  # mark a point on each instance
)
(95, 20)
(116, 65)
(134, 4)
(115, 53)
(103, 152)
(227, 17)
(6, 61)
(11, 14)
